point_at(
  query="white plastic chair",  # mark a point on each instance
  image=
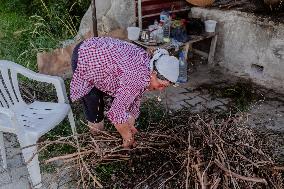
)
(29, 121)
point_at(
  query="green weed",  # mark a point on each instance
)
(29, 27)
(241, 93)
(151, 112)
(105, 171)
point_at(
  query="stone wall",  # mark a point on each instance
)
(249, 46)
(111, 15)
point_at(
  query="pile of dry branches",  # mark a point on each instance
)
(182, 150)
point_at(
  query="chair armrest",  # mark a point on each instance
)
(58, 82)
(7, 112)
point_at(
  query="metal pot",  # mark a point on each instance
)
(145, 35)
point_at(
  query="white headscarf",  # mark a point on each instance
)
(167, 66)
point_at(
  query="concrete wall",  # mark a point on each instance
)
(249, 46)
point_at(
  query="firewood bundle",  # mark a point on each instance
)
(182, 150)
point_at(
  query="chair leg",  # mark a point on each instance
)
(3, 151)
(72, 122)
(32, 165)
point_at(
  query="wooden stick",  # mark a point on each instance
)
(172, 175)
(151, 175)
(281, 168)
(215, 184)
(68, 156)
(188, 162)
(229, 172)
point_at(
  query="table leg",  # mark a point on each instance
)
(212, 50)
(186, 48)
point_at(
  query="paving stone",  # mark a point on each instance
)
(5, 178)
(224, 100)
(11, 152)
(178, 98)
(16, 161)
(194, 101)
(192, 95)
(213, 103)
(19, 173)
(17, 185)
(62, 181)
(189, 90)
(176, 90)
(178, 105)
(206, 96)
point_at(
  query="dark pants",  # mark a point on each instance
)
(93, 102)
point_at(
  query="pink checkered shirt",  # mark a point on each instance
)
(118, 68)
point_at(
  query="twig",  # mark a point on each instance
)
(228, 172)
(202, 180)
(215, 184)
(151, 175)
(68, 156)
(173, 175)
(278, 168)
(188, 162)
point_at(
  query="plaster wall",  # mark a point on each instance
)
(249, 46)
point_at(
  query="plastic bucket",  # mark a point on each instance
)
(210, 25)
(133, 33)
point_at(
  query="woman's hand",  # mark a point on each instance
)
(127, 132)
(131, 122)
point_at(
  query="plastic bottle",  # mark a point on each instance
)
(166, 22)
(166, 29)
(182, 68)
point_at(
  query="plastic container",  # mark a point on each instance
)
(133, 33)
(182, 78)
(210, 25)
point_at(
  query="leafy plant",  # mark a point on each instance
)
(28, 27)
